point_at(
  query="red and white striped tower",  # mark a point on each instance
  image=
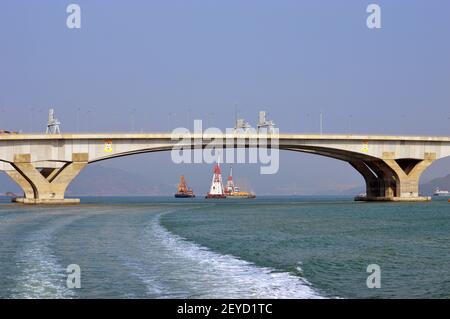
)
(216, 190)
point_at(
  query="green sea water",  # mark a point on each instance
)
(269, 247)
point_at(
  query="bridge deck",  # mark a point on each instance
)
(165, 135)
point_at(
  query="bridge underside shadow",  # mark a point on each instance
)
(387, 179)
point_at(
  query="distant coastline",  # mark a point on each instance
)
(112, 182)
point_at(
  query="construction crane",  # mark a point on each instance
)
(53, 123)
(265, 124)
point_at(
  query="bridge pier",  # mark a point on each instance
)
(387, 178)
(46, 186)
(407, 174)
(390, 179)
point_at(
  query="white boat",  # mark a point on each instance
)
(438, 192)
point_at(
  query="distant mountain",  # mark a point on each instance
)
(443, 183)
(98, 180)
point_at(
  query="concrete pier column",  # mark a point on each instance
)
(390, 179)
(27, 187)
(371, 179)
(47, 186)
(61, 179)
(386, 180)
(407, 173)
(379, 178)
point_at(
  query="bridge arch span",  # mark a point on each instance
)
(44, 165)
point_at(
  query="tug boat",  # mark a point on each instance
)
(183, 190)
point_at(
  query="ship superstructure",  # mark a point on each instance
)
(233, 191)
(216, 190)
(183, 190)
(439, 192)
(230, 188)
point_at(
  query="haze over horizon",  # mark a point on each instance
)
(154, 66)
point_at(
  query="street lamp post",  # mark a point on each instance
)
(168, 118)
(321, 123)
(189, 118)
(87, 114)
(133, 111)
(309, 123)
(31, 118)
(2, 112)
(78, 120)
(350, 124)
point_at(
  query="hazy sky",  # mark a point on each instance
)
(153, 65)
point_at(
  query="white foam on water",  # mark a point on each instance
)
(41, 275)
(177, 268)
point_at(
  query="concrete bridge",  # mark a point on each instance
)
(44, 164)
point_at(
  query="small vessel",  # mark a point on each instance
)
(233, 191)
(183, 190)
(216, 191)
(438, 192)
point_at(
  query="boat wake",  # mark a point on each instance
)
(177, 268)
(41, 276)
